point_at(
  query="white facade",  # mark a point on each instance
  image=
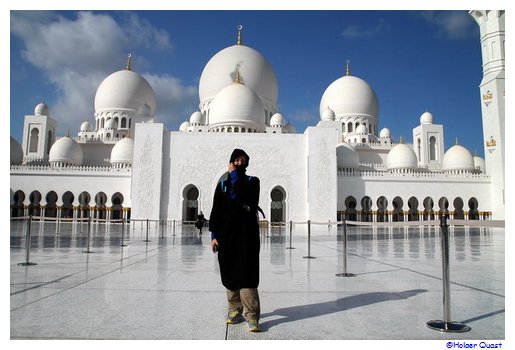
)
(126, 164)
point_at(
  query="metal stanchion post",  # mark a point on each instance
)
(27, 244)
(309, 242)
(89, 236)
(146, 239)
(123, 234)
(291, 224)
(345, 273)
(173, 228)
(446, 325)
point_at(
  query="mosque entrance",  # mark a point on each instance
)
(277, 213)
(190, 203)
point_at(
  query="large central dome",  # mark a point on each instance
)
(255, 72)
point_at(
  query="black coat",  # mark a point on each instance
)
(236, 226)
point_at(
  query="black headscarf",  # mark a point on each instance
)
(238, 153)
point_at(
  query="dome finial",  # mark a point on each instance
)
(237, 80)
(457, 141)
(240, 28)
(128, 67)
(347, 70)
(401, 140)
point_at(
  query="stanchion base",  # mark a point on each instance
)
(146, 240)
(345, 274)
(88, 251)
(309, 257)
(27, 264)
(451, 327)
(123, 245)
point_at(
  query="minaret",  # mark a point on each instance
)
(492, 90)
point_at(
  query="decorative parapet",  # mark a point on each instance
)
(69, 169)
(412, 174)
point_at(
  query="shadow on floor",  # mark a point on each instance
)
(296, 313)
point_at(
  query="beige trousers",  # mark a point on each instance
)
(246, 300)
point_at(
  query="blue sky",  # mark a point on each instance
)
(414, 60)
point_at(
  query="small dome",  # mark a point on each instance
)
(16, 152)
(41, 109)
(110, 124)
(361, 129)
(86, 126)
(66, 150)
(426, 118)
(479, 163)
(197, 118)
(184, 126)
(277, 120)
(458, 158)
(327, 115)
(385, 132)
(237, 105)
(401, 156)
(122, 151)
(346, 156)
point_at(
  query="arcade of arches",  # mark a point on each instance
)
(463, 209)
(69, 205)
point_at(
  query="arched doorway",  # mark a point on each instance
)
(350, 209)
(277, 206)
(429, 213)
(17, 208)
(382, 209)
(117, 208)
(35, 203)
(413, 209)
(366, 209)
(458, 208)
(84, 199)
(473, 209)
(398, 212)
(100, 205)
(51, 205)
(443, 203)
(190, 203)
(67, 208)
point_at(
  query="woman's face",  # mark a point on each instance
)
(240, 162)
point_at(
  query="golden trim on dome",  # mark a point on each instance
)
(237, 80)
(240, 28)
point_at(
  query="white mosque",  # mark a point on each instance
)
(126, 164)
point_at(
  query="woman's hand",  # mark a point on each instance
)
(214, 245)
(231, 167)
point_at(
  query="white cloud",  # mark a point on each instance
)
(176, 102)
(76, 54)
(452, 24)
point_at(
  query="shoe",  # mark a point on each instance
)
(253, 326)
(233, 317)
